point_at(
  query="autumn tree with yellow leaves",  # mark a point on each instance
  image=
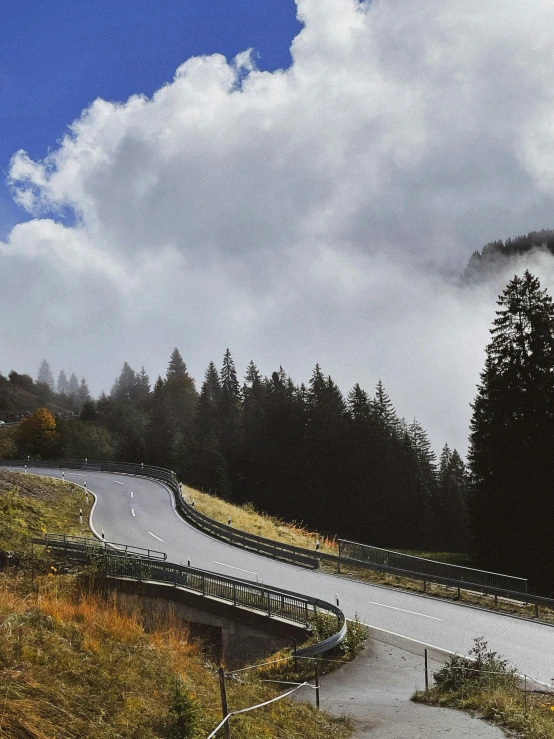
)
(37, 435)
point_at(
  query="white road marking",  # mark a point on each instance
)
(76, 474)
(394, 608)
(133, 511)
(119, 483)
(155, 537)
(131, 493)
(236, 568)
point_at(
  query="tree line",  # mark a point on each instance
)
(342, 464)
(350, 465)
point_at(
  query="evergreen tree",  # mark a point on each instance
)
(84, 394)
(451, 525)
(62, 387)
(176, 367)
(385, 412)
(143, 383)
(73, 386)
(358, 404)
(45, 375)
(512, 428)
(126, 386)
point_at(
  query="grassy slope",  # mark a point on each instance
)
(75, 666)
(31, 506)
(246, 518)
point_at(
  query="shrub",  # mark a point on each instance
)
(324, 626)
(183, 712)
(470, 676)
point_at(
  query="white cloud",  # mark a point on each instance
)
(312, 214)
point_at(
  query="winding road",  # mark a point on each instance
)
(141, 512)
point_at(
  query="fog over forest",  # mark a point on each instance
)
(323, 213)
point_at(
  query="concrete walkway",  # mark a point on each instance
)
(375, 690)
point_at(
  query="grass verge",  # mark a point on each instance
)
(30, 506)
(247, 518)
(488, 685)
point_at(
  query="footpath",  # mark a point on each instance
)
(374, 692)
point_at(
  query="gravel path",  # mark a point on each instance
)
(375, 690)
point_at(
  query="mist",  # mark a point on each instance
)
(322, 213)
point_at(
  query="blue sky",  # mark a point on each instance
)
(56, 56)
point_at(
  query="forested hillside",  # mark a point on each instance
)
(346, 465)
(497, 254)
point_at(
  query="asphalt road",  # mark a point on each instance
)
(140, 512)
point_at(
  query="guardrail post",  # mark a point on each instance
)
(307, 614)
(268, 603)
(234, 594)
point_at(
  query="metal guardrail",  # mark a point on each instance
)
(80, 543)
(271, 602)
(278, 550)
(407, 562)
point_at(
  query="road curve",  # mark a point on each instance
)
(141, 512)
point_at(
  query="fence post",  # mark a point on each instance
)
(224, 707)
(338, 563)
(295, 658)
(426, 672)
(268, 603)
(316, 681)
(525, 694)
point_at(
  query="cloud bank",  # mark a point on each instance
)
(319, 213)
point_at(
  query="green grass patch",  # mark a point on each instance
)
(31, 506)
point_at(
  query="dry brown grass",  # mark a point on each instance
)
(76, 665)
(247, 518)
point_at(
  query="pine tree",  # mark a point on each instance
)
(512, 428)
(229, 380)
(62, 386)
(143, 383)
(126, 386)
(358, 404)
(450, 515)
(45, 375)
(84, 394)
(385, 412)
(176, 367)
(73, 386)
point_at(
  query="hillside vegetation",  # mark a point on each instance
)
(30, 506)
(76, 665)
